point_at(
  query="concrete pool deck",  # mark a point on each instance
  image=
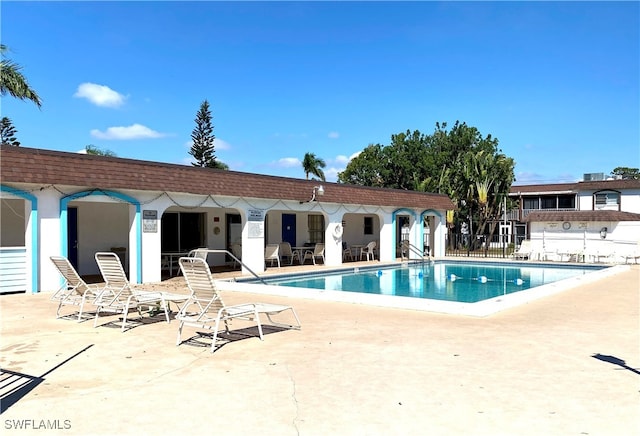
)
(566, 364)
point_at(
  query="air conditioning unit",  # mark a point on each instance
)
(593, 177)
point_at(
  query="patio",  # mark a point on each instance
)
(565, 364)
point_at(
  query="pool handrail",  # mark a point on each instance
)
(208, 250)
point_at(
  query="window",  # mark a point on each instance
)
(530, 203)
(182, 231)
(368, 225)
(607, 199)
(316, 228)
(548, 202)
(566, 202)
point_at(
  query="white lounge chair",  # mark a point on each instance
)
(272, 254)
(205, 308)
(316, 253)
(632, 255)
(74, 291)
(368, 252)
(118, 296)
(524, 251)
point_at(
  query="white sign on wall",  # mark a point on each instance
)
(256, 229)
(149, 221)
(255, 215)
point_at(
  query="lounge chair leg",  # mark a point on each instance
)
(215, 334)
(259, 325)
(179, 340)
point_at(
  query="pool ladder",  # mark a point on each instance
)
(407, 247)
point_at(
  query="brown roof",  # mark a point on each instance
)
(575, 187)
(581, 215)
(46, 167)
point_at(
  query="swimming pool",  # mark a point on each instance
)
(459, 282)
(442, 286)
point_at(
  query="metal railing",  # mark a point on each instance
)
(407, 247)
(475, 245)
(193, 252)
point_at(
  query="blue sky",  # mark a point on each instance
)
(556, 82)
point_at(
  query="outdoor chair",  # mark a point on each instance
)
(236, 250)
(206, 310)
(118, 295)
(74, 291)
(347, 255)
(368, 252)
(286, 252)
(404, 249)
(202, 253)
(316, 253)
(524, 251)
(632, 255)
(271, 254)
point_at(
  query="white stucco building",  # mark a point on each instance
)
(58, 203)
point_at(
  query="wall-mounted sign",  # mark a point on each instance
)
(149, 221)
(255, 215)
(256, 229)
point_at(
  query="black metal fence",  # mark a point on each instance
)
(477, 245)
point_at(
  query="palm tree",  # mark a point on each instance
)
(313, 165)
(12, 81)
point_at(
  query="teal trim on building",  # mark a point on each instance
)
(35, 264)
(64, 202)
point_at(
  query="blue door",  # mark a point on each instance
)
(289, 228)
(72, 235)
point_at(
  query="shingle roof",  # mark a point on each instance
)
(581, 215)
(575, 187)
(46, 167)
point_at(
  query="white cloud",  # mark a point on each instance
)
(219, 144)
(135, 131)
(100, 95)
(333, 135)
(289, 162)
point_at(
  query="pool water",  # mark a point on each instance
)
(450, 281)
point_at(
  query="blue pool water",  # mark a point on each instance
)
(450, 281)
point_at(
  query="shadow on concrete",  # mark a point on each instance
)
(612, 359)
(15, 385)
(203, 339)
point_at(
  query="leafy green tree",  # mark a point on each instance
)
(92, 149)
(459, 162)
(626, 173)
(313, 165)
(203, 149)
(13, 82)
(8, 133)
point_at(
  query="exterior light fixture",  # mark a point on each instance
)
(317, 190)
(603, 232)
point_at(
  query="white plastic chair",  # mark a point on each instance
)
(368, 252)
(286, 252)
(271, 254)
(316, 253)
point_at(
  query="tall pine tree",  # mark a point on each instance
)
(203, 150)
(8, 133)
